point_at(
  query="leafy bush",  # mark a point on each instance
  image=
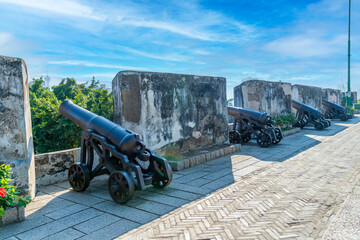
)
(285, 121)
(357, 106)
(8, 195)
(350, 110)
(53, 132)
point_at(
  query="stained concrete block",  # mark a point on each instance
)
(16, 141)
(332, 95)
(308, 95)
(52, 167)
(273, 98)
(169, 108)
(353, 95)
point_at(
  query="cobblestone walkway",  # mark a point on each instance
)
(288, 190)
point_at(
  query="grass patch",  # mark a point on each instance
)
(171, 152)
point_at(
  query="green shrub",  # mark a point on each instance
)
(9, 197)
(357, 106)
(350, 110)
(171, 152)
(285, 121)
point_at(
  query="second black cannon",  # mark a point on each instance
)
(248, 123)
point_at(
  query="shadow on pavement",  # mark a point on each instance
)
(59, 212)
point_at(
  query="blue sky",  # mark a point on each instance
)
(299, 41)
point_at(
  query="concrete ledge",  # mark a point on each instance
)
(290, 132)
(52, 167)
(12, 215)
(205, 157)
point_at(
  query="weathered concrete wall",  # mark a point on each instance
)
(308, 95)
(168, 108)
(52, 167)
(16, 142)
(271, 97)
(332, 95)
(353, 96)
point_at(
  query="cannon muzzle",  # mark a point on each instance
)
(125, 141)
(329, 104)
(260, 117)
(302, 107)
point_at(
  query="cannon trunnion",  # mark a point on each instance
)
(248, 122)
(335, 111)
(121, 155)
(306, 115)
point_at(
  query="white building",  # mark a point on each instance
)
(47, 81)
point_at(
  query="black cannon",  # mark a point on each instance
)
(335, 111)
(248, 122)
(307, 115)
(121, 155)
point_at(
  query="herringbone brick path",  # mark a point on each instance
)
(295, 199)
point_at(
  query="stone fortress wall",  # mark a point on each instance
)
(16, 144)
(167, 108)
(264, 96)
(164, 108)
(275, 97)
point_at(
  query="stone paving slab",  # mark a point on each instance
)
(57, 212)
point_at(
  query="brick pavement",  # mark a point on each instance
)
(293, 198)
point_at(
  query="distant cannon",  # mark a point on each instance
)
(248, 122)
(307, 115)
(335, 111)
(121, 155)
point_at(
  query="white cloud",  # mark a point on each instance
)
(201, 24)
(4, 39)
(328, 6)
(92, 64)
(11, 46)
(304, 46)
(187, 31)
(66, 7)
(174, 57)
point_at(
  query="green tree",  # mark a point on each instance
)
(53, 132)
(230, 102)
(68, 88)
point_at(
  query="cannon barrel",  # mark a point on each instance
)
(300, 106)
(260, 117)
(125, 141)
(333, 105)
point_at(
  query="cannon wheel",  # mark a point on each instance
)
(343, 118)
(278, 136)
(246, 138)
(157, 182)
(319, 126)
(79, 176)
(234, 137)
(263, 139)
(121, 186)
